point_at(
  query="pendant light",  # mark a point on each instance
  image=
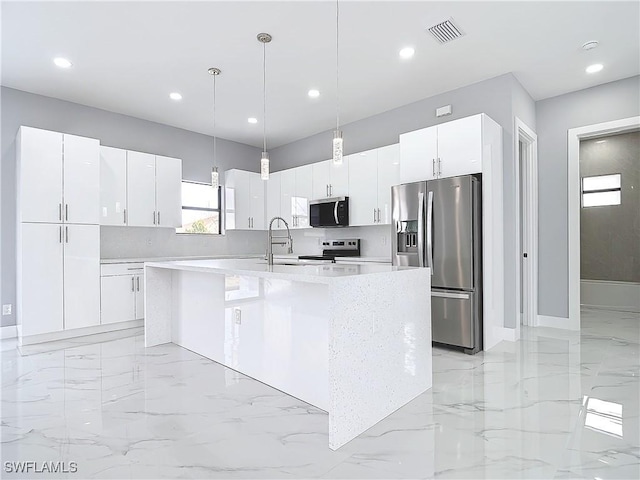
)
(264, 38)
(337, 134)
(215, 179)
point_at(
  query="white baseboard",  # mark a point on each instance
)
(624, 296)
(509, 334)
(78, 332)
(8, 332)
(558, 322)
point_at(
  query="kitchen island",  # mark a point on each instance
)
(353, 340)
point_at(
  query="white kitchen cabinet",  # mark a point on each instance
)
(113, 186)
(141, 189)
(245, 205)
(388, 176)
(58, 177)
(122, 292)
(39, 278)
(168, 191)
(81, 159)
(81, 276)
(58, 277)
(303, 194)
(446, 150)
(272, 196)
(363, 190)
(418, 153)
(287, 193)
(330, 180)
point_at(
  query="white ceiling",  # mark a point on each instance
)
(128, 56)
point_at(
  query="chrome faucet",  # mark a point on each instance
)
(270, 243)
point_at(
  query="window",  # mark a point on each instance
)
(601, 190)
(200, 208)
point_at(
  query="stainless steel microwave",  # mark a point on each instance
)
(329, 212)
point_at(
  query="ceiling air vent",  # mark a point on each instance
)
(446, 31)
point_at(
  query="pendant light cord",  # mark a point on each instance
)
(337, 69)
(214, 120)
(264, 97)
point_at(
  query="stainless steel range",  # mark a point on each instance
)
(331, 249)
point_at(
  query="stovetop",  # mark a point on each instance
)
(349, 247)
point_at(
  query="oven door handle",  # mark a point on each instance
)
(420, 229)
(335, 213)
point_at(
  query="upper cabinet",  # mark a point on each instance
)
(245, 202)
(139, 189)
(371, 176)
(294, 189)
(272, 197)
(58, 177)
(446, 150)
(330, 180)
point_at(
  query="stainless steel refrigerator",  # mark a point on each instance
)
(438, 224)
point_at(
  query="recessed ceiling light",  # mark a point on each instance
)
(596, 67)
(313, 93)
(252, 120)
(407, 52)
(62, 62)
(175, 96)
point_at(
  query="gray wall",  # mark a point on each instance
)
(501, 98)
(554, 117)
(195, 150)
(610, 234)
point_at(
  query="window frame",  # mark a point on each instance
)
(203, 209)
(600, 190)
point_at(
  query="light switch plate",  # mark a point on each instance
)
(6, 309)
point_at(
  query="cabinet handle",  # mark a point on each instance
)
(60, 211)
(125, 216)
(66, 211)
(434, 167)
(154, 217)
(66, 234)
(158, 217)
(379, 216)
(60, 239)
(326, 188)
(330, 190)
(439, 168)
(133, 284)
(374, 216)
(138, 283)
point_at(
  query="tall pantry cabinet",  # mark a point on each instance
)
(58, 261)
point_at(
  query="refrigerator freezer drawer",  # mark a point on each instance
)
(453, 318)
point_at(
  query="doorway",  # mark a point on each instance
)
(574, 136)
(527, 226)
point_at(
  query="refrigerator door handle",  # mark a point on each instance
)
(461, 296)
(421, 229)
(430, 230)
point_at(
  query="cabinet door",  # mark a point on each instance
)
(238, 199)
(388, 176)
(418, 152)
(40, 288)
(363, 188)
(39, 154)
(81, 180)
(287, 193)
(339, 178)
(139, 297)
(81, 276)
(113, 186)
(141, 189)
(304, 194)
(272, 196)
(257, 201)
(168, 192)
(460, 146)
(321, 174)
(118, 299)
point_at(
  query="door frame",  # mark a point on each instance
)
(574, 135)
(525, 134)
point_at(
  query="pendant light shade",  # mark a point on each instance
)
(215, 179)
(264, 38)
(337, 135)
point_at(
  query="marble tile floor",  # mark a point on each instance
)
(554, 405)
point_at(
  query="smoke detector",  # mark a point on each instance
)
(446, 31)
(590, 45)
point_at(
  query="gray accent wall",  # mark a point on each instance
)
(501, 98)
(610, 234)
(554, 117)
(116, 130)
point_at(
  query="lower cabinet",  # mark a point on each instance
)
(122, 293)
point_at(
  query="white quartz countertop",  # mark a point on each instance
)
(106, 261)
(301, 272)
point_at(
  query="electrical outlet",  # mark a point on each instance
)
(384, 240)
(237, 315)
(6, 309)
